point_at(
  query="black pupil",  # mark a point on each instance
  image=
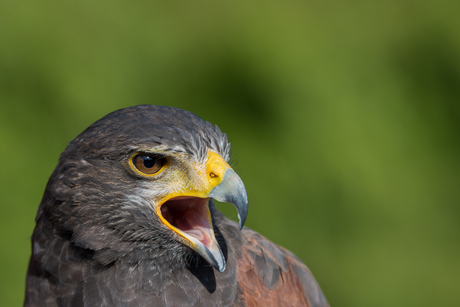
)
(149, 162)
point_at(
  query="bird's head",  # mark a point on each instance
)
(141, 179)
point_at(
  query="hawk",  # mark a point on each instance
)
(127, 219)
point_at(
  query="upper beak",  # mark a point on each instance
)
(221, 183)
(232, 190)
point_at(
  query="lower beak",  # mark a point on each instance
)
(230, 190)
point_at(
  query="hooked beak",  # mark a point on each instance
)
(232, 190)
(186, 211)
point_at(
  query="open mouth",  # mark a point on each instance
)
(191, 217)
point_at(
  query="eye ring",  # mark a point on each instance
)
(147, 164)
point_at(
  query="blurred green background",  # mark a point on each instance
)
(344, 118)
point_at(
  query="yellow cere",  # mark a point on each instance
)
(215, 168)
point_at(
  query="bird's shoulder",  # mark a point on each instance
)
(270, 275)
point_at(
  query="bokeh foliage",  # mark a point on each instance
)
(344, 118)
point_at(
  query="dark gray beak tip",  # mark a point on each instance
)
(242, 216)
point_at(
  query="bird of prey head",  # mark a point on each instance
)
(137, 184)
(127, 219)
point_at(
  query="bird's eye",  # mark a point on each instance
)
(148, 164)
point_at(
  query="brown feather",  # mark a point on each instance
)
(269, 275)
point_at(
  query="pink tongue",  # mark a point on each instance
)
(201, 233)
(195, 233)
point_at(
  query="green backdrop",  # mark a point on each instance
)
(344, 118)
